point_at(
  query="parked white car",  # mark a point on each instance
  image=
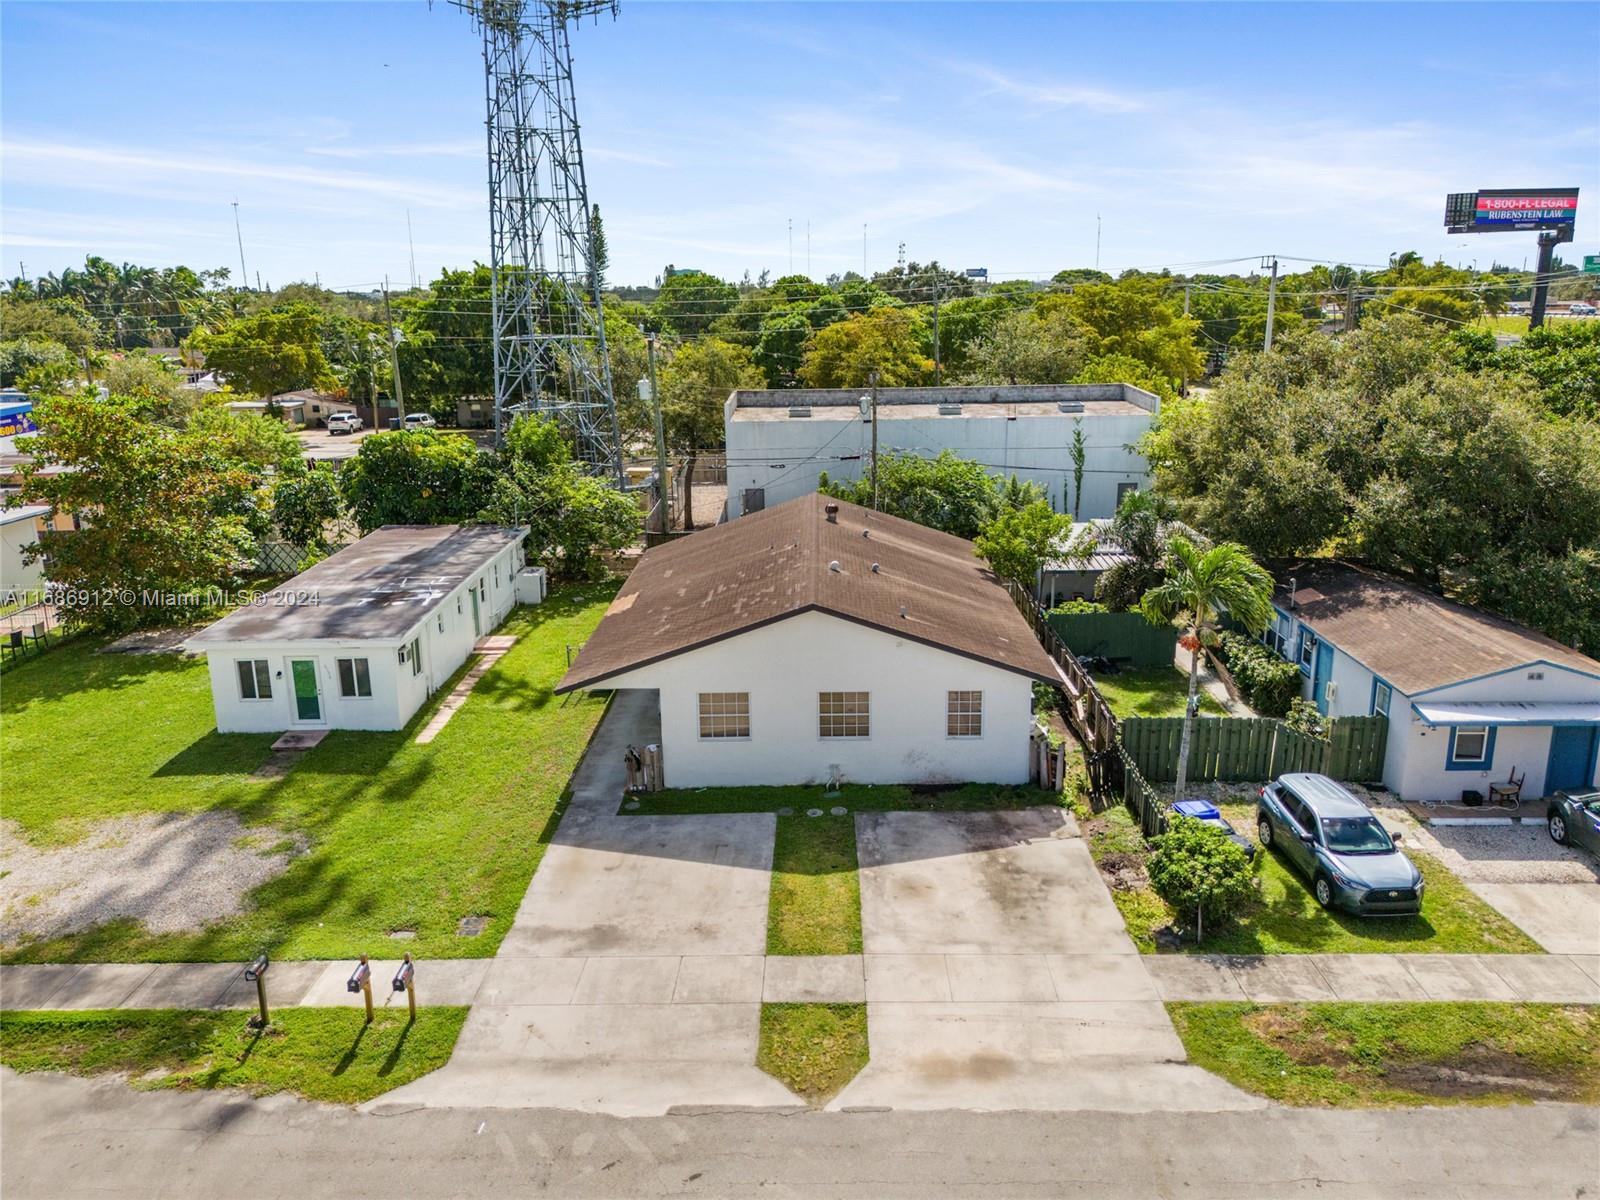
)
(344, 422)
(420, 421)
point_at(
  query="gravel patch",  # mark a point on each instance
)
(1498, 853)
(171, 871)
(168, 640)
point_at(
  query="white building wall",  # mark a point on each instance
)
(446, 636)
(783, 666)
(785, 455)
(16, 575)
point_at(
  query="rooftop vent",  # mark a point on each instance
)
(949, 410)
(875, 571)
(835, 567)
(902, 611)
(831, 512)
(798, 411)
(866, 533)
(1070, 406)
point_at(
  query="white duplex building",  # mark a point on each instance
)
(1472, 699)
(363, 638)
(820, 641)
(780, 442)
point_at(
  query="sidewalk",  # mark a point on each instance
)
(1287, 978)
(1210, 684)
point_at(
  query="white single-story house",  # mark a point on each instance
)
(19, 529)
(364, 637)
(290, 411)
(817, 641)
(1074, 577)
(1471, 697)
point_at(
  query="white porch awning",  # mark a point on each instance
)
(1575, 712)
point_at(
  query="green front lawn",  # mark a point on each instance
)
(400, 836)
(320, 1053)
(1152, 692)
(1286, 918)
(813, 1049)
(1347, 1055)
(814, 906)
(855, 797)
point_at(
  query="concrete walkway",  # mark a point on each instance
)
(489, 650)
(1548, 978)
(1211, 684)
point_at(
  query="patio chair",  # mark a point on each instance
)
(1508, 794)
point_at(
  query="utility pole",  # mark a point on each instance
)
(244, 275)
(1350, 315)
(661, 439)
(1183, 389)
(873, 379)
(936, 371)
(394, 355)
(23, 268)
(1272, 303)
(1548, 241)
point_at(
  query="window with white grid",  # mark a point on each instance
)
(843, 715)
(963, 714)
(724, 714)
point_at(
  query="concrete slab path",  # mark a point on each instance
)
(489, 650)
(1542, 978)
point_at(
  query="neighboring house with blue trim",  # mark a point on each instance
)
(1471, 697)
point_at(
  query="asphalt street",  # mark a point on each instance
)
(66, 1138)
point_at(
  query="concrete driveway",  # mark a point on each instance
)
(630, 982)
(1000, 976)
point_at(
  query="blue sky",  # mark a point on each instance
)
(981, 135)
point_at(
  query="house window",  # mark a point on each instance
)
(416, 656)
(963, 714)
(355, 678)
(1124, 490)
(483, 590)
(497, 577)
(1471, 747)
(255, 679)
(843, 715)
(1308, 648)
(1382, 694)
(724, 714)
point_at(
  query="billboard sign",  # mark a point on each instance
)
(1591, 264)
(1507, 209)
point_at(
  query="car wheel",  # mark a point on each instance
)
(1264, 831)
(1558, 828)
(1322, 888)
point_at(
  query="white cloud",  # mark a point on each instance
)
(1050, 95)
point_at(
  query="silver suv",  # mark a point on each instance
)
(1332, 839)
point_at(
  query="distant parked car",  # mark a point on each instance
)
(1332, 839)
(344, 422)
(1574, 819)
(420, 421)
(1204, 810)
(1579, 309)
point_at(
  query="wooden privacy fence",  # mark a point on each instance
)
(1255, 748)
(1124, 636)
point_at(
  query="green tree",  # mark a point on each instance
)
(1076, 275)
(1019, 540)
(156, 385)
(305, 502)
(171, 522)
(948, 492)
(599, 251)
(1199, 587)
(1120, 368)
(1137, 318)
(417, 478)
(781, 345)
(23, 355)
(1563, 360)
(1197, 870)
(448, 352)
(1028, 346)
(279, 350)
(572, 518)
(890, 341)
(64, 321)
(689, 301)
(694, 387)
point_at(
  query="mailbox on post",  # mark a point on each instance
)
(405, 981)
(256, 973)
(361, 981)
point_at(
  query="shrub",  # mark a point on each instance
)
(1268, 682)
(1200, 873)
(1078, 606)
(1304, 718)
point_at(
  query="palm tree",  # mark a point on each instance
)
(1200, 585)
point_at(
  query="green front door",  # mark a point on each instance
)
(307, 702)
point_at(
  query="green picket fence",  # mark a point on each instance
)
(1237, 749)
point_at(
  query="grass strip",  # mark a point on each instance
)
(1153, 692)
(1286, 919)
(814, 906)
(813, 1049)
(325, 1054)
(857, 797)
(1348, 1055)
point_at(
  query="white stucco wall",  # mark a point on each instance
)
(446, 635)
(785, 665)
(16, 575)
(1034, 448)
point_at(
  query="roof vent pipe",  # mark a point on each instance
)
(874, 568)
(831, 511)
(866, 533)
(902, 611)
(834, 566)
(1292, 590)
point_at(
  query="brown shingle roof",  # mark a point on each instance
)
(1413, 639)
(774, 564)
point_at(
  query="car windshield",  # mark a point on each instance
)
(1355, 835)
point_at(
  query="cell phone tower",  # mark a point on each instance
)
(549, 336)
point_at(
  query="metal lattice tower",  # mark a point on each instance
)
(549, 336)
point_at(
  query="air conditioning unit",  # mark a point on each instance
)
(1333, 690)
(1070, 406)
(949, 410)
(533, 585)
